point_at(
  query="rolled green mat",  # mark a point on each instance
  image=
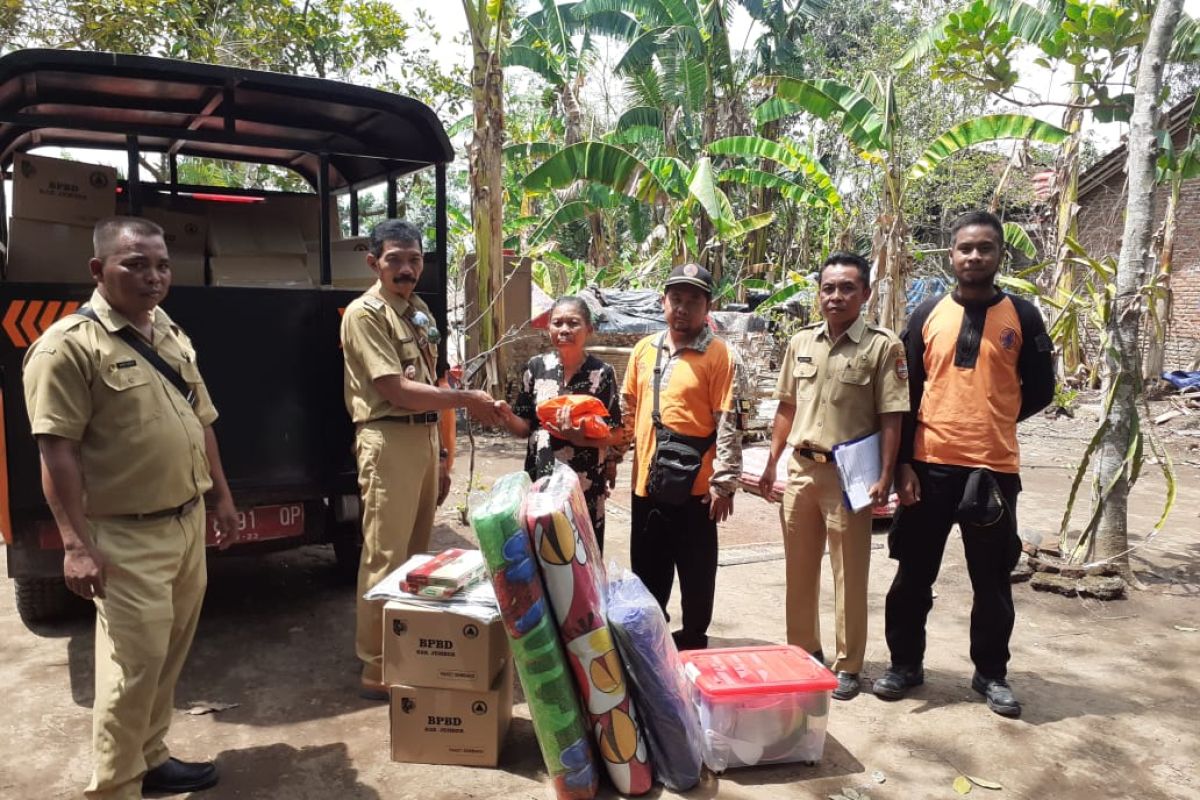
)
(558, 720)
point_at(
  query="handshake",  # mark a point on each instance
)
(484, 409)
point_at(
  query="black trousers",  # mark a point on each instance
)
(918, 540)
(664, 539)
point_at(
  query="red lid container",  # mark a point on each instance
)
(732, 672)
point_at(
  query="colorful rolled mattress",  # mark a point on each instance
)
(657, 680)
(557, 520)
(558, 720)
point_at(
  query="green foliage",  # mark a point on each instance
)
(860, 119)
(343, 39)
(1065, 398)
(788, 155)
(1017, 239)
(793, 285)
(990, 128)
(1094, 41)
(593, 161)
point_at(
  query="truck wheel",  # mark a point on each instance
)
(347, 549)
(47, 600)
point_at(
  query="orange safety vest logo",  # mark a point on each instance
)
(26, 320)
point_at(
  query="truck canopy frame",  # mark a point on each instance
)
(339, 137)
(97, 100)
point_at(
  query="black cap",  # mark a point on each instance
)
(691, 275)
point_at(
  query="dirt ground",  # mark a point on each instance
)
(1111, 691)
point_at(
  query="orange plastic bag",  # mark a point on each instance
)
(581, 411)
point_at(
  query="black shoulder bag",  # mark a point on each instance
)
(147, 352)
(677, 458)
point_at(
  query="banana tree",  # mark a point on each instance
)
(872, 129)
(553, 43)
(678, 195)
(797, 184)
(784, 168)
(677, 61)
(1174, 167)
(545, 43)
(487, 23)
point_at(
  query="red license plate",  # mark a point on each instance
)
(262, 523)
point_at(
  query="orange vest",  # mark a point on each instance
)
(968, 415)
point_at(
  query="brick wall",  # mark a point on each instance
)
(1101, 222)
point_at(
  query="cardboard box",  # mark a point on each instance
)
(347, 262)
(186, 236)
(187, 269)
(451, 726)
(430, 647)
(303, 211)
(67, 192)
(48, 252)
(265, 271)
(184, 233)
(236, 229)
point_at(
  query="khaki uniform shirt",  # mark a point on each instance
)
(380, 337)
(141, 444)
(840, 388)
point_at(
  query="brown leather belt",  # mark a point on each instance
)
(177, 511)
(819, 456)
(428, 418)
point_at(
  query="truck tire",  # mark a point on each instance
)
(47, 600)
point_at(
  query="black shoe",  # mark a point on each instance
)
(999, 695)
(896, 682)
(848, 686)
(689, 641)
(176, 777)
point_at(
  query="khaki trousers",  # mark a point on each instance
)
(813, 511)
(144, 628)
(398, 480)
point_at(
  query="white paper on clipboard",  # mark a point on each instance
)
(859, 468)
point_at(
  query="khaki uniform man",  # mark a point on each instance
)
(841, 379)
(107, 420)
(389, 341)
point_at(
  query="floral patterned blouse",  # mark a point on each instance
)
(543, 379)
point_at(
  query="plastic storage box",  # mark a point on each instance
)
(759, 705)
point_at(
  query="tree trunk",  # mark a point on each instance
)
(706, 229)
(890, 273)
(487, 188)
(1121, 357)
(1067, 181)
(762, 199)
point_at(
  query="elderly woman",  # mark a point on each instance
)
(569, 370)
